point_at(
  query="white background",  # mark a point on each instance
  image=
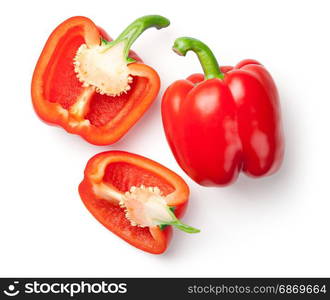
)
(275, 226)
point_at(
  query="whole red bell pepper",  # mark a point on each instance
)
(225, 121)
(90, 85)
(136, 198)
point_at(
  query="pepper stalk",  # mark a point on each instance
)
(206, 57)
(105, 66)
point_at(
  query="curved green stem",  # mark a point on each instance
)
(135, 29)
(207, 59)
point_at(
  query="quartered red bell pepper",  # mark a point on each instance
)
(225, 121)
(136, 198)
(90, 85)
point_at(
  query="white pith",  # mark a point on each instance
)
(146, 206)
(103, 68)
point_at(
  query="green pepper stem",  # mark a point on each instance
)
(178, 224)
(135, 29)
(184, 227)
(207, 59)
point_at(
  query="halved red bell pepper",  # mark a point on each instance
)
(135, 198)
(90, 85)
(225, 121)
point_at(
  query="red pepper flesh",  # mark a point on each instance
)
(59, 98)
(109, 175)
(225, 123)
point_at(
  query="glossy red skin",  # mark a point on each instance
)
(217, 128)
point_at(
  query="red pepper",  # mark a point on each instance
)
(225, 121)
(134, 197)
(93, 87)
